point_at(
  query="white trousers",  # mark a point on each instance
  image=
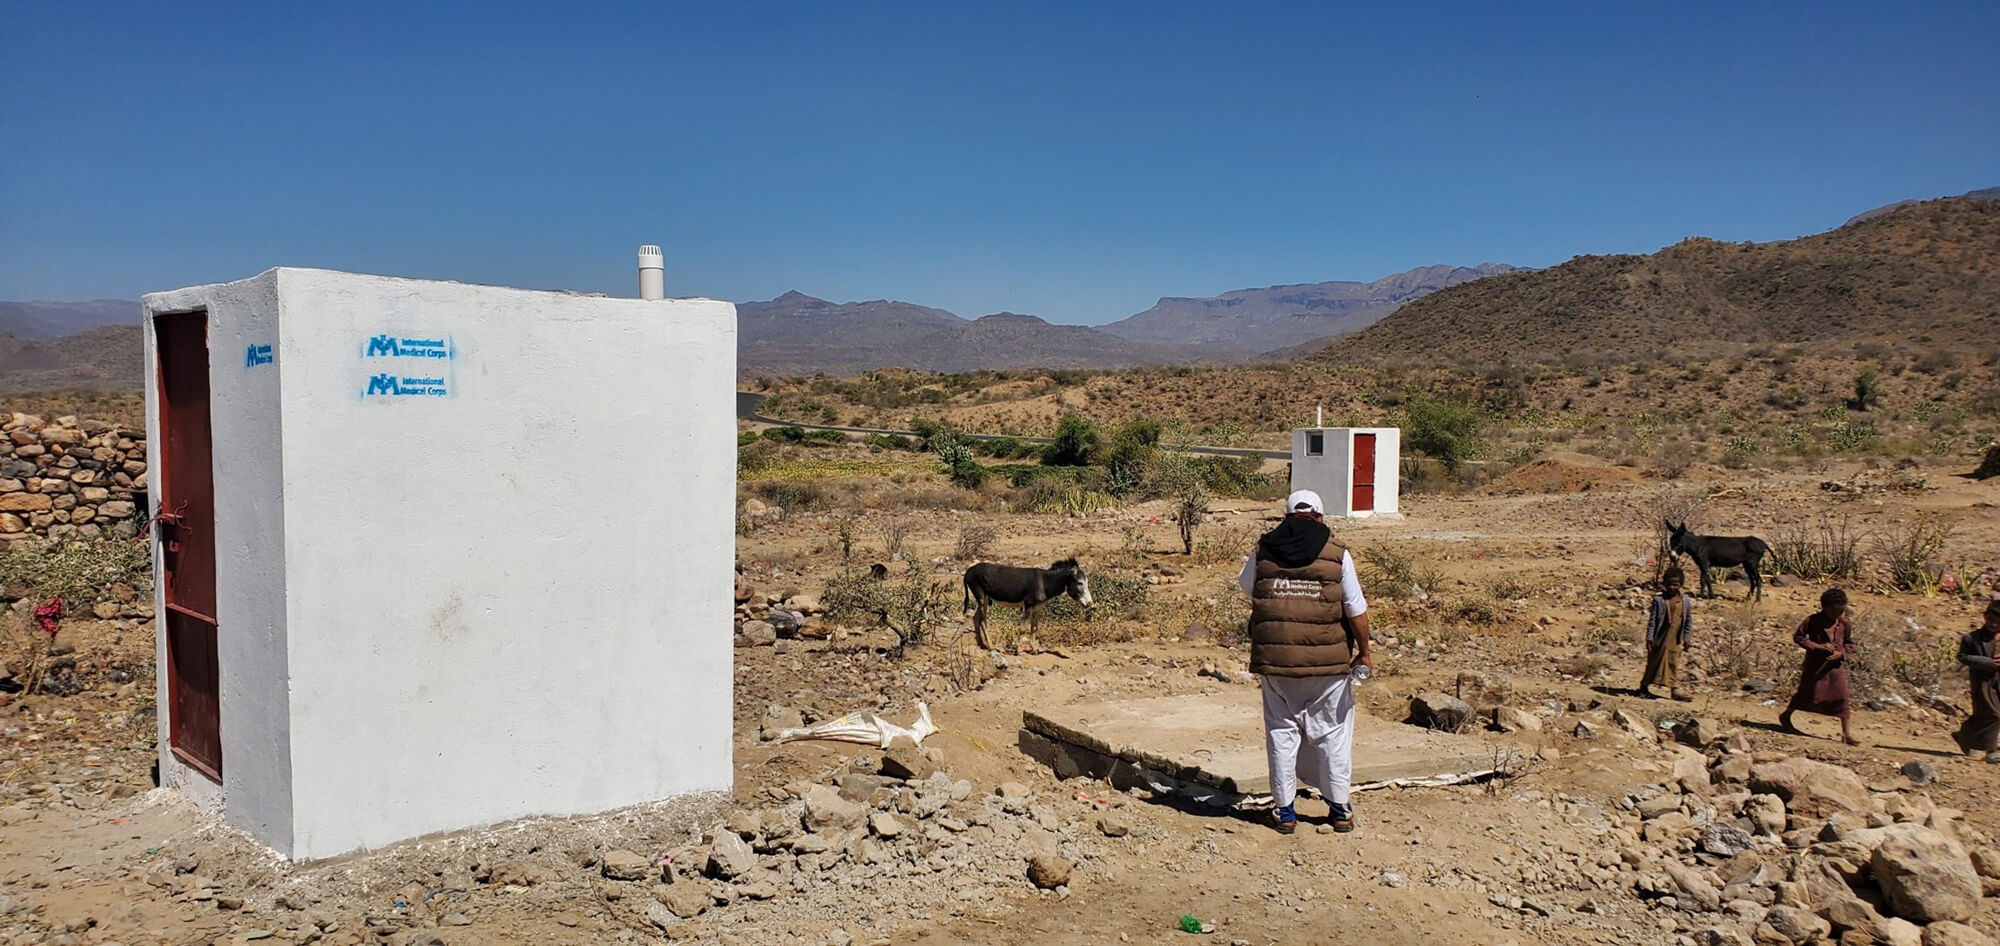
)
(1309, 736)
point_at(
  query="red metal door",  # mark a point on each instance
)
(186, 530)
(1364, 472)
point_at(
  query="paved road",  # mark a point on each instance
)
(747, 404)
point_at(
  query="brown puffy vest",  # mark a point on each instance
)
(1298, 618)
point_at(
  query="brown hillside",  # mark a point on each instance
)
(1926, 275)
(107, 358)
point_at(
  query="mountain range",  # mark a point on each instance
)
(1922, 271)
(43, 321)
(1925, 275)
(1249, 322)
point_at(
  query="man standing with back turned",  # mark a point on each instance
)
(1308, 634)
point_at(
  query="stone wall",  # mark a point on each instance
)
(69, 478)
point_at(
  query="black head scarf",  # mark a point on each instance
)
(1295, 543)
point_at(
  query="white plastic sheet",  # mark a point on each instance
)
(866, 729)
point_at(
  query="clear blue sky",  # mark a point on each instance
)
(1074, 161)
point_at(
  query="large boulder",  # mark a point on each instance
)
(1441, 711)
(1810, 789)
(1926, 876)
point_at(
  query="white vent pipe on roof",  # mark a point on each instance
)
(652, 273)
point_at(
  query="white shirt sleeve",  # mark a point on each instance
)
(1247, 580)
(1350, 585)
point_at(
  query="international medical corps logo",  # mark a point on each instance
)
(397, 381)
(389, 346)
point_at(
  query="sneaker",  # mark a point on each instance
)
(1284, 820)
(1343, 818)
(1993, 756)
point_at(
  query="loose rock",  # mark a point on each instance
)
(625, 865)
(1440, 711)
(1048, 871)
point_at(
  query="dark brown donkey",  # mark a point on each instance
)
(1722, 551)
(1030, 588)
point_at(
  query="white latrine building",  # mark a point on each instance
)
(414, 572)
(1353, 469)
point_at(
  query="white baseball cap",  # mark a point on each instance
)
(1304, 499)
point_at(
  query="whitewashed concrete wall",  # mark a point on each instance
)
(480, 626)
(249, 560)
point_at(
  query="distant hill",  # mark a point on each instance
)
(1250, 322)
(106, 358)
(1990, 193)
(797, 334)
(42, 321)
(1927, 274)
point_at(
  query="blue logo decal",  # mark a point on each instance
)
(389, 385)
(254, 355)
(389, 346)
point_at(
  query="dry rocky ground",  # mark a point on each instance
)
(1632, 822)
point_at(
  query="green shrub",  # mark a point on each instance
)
(1444, 429)
(959, 463)
(1004, 448)
(1867, 392)
(756, 455)
(785, 434)
(1076, 443)
(1021, 474)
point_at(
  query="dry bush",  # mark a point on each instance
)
(1396, 575)
(1509, 587)
(1911, 553)
(1889, 652)
(1828, 549)
(973, 541)
(1477, 612)
(894, 533)
(81, 572)
(1740, 647)
(910, 605)
(1683, 506)
(1226, 543)
(1226, 612)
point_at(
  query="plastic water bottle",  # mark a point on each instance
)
(1362, 673)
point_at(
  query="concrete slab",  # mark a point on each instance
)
(1217, 740)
